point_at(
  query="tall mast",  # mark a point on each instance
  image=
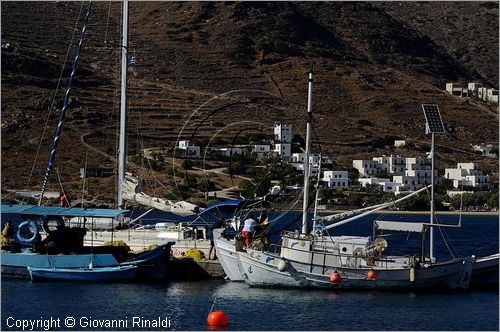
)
(431, 237)
(306, 159)
(57, 135)
(434, 125)
(122, 149)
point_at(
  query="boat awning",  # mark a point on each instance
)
(398, 226)
(225, 209)
(60, 211)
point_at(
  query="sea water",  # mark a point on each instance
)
(185, 305)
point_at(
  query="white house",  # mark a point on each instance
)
(485, 149)
(402, 143)
(474, 89)
(397, 165)
(190, 148)
(261, 149)
(366, 181)
(383, 163)
(391, 187)
(228, 152)
(457, 90)
(492, 95)
(467, 174)
(283, 149)
(336, 179)
(366, 167)
(283, 132)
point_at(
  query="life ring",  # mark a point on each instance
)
(33, 226)
(59, 221)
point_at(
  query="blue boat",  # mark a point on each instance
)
(63, 247)
(89, 274)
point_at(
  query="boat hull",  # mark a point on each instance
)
(485, 272)
(228, 257)
(152, 264)
(261, 269)
(15, 264)
(99, 274)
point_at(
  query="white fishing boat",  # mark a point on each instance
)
(318, 260)
(228, 256)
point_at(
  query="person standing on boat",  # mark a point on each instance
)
(248, 230)
(220, 224)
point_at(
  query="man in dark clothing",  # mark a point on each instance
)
(220, 224)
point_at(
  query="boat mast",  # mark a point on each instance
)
(57, 135)
(434, 125)
(122, 150)
(306, 157)
(431, 235)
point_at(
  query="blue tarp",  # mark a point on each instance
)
(60, 211)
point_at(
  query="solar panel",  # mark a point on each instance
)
(433, 119)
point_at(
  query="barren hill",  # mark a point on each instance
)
(206, 69)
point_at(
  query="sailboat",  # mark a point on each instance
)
(315, 259)
(68, 240)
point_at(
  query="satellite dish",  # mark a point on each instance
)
(380, 242)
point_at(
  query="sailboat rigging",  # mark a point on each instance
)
(319, 260)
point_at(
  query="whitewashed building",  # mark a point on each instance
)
(366, 166)
(391, 187)
(336, 179)
(457, 90)
(297, 162)
(467, 174)
(374, 181)
(228, 152)
(402, 143)
(485, 149)
(283, 149)
(261, 149)
(474, 89)
(282, 132)
(189, 148)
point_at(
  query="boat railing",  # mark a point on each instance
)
(346, 260)
(297, 235)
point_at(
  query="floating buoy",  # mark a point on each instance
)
(335, 277)
(372, 275)
(217, 319)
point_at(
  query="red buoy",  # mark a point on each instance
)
(217, 319)
(335, 277)
(372, 275)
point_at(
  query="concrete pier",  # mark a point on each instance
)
(189, 269)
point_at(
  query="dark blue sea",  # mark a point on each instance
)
(185, 305)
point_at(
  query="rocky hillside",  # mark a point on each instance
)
(213, 70)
